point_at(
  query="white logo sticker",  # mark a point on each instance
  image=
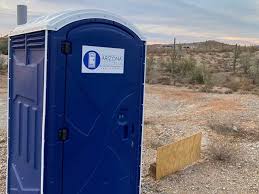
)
(102, 60)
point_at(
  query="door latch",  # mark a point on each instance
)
(66, 47)
(63, 134)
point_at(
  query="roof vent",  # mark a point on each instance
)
(21, 14)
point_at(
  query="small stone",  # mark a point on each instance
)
(235, 129)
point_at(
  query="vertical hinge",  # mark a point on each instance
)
(66, 47)
(63, 134)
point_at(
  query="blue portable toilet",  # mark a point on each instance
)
(76, 86)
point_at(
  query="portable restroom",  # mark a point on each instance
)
(76, 82)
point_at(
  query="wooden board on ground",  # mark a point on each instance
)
(176, 156)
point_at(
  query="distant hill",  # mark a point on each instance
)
(4, 45)
(206, 46)
(210, 44)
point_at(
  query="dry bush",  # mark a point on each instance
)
(205, 89)
(221, 90)
(233, 131)
(246, 61)
(187, 67)
(222, 149)
(4, 45)
(222, 144)
(233, 84)
(164, 80)
(246, 84)
(152, 70)
(3, 63)
(223, 127)
(239, 83)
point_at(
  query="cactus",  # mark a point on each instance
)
(173, 59)
(236, 54)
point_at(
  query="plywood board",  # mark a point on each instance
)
(178, 155)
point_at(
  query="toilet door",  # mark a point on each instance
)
(103, 110)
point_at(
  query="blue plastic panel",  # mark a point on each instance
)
(103, 113)
(25, 112)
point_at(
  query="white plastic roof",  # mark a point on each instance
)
(56, 21)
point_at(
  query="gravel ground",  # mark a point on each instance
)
(3, 111)
(171, 113)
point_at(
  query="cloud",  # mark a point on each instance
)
(188, 20)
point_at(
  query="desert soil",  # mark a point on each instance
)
(3, 114)
(172, 113)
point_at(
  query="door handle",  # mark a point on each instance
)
(63, 134)
(125, 131)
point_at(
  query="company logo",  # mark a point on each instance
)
(91, 59)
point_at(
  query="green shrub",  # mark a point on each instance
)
(197, 75)
(246, 61)
(4, 45)
(185, 67)
(150, 68)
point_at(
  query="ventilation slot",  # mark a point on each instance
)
(18, 42)
(36, 40)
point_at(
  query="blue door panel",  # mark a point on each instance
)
(25, 112)
(102, 153)
(102, 113)
(54, 115)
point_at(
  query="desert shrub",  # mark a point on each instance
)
(254, 71)
(233, 84)
(246, 84)
(239, 83)
(246, 61)
(223, 127)
(186, 66)
(222, 149)
(2, 63)
(252, 49)
(180, 69)
(186, 70)
(150, 68)
(198, 75)
(4, 45)
(222, 145)
(206, 79)
(227, 128)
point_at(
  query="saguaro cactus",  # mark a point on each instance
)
(173, 59)
(236, 54)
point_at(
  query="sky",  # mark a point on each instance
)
(229, 21)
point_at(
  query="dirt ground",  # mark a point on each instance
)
(3, 111)
(172, 113)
